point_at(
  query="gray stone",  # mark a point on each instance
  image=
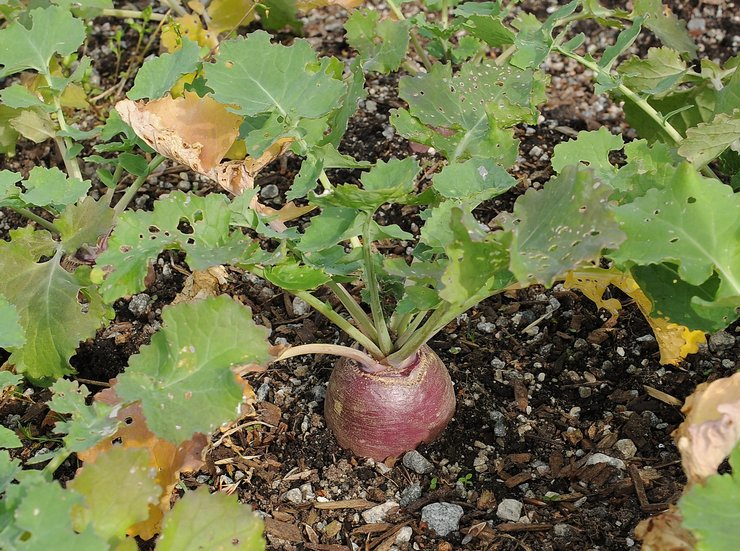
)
(378, 513)
(416, 462)
(270, 191)
(371, 106)
(626, 447)
(294, 495)
(499, 426)
(721, 340)
(561, 530)
(139, 304)
(509, 509)
(404, 535)
(486, 327)
(597, 458)
(300, 307)
(442, 518)
(410, 494)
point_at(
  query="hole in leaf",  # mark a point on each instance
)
(691, 200)
(673, 240)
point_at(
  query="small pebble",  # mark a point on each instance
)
(416, 462)
(300, 307)
(294, 495)
(270, 191)
(721, 340)
(626, 447)
(404, 535)
(509, 509)
(561, 530)
(597, 458)
(442, 518)
(371, 106)
(139, 304)
(410, 494)
(378, 513)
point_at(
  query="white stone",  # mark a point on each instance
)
(442, 518)
(294, 495)
(626, 447)
(404, 535)
(300, 307)
(509, 509)
(378, 513)
(597, 458)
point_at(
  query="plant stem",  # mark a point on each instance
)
(367, 363)
(132, 14)
(36, 218)
(65, 144)
(419, 337)
(175, 6)
(384, 338)
(131, 191)
(55, 463)
(409, 331)
(326, 310)
(325, 182)
(364, 323)
(414, 39)
(506, 54)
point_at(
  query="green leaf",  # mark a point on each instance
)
(34, 125)
(87, 424)
(484, 20)
(464, 115)
(292, 276)
(11, 332)
(184, 379)
(9, 439)
(50, 187)
(667, 27)
(624, 40)
(707, 141)
(140, 236)
(475, 179)
(9, 470)
(534, 39)
(244, 76)
(278, 14)
(339, 118)
(691, 223)
(53, 30)
(8, 379)
(20, 97)
(117, 490)
(8, 134)
(10, 193)
(44, 518)
(382, 44)
(728, 98)
(647, 167)
(157, 76)
(217, 522)
(84, 223)
(436, 229)
(656, 74)
(591, 149)
(57, 309)
(712, 510)
(333, 225)
(561, 227)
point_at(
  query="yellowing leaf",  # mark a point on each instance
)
(674, 341)
(711, 428)
(305, 5)
(74, 96)
(189, 26)
(226, 15)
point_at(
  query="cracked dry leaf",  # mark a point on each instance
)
(168, 459)
(711, 428)
(203, 283)
(674, 341)
(664, 532)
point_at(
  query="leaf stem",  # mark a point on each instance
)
(325, 182)
(36, 218)
(65, 144)
(419, 337)
(364, 323)
(134, 188)
(55, 463)
(132, 14)
(414, 39)
(406, 334)
(367, 363)
(384, 338)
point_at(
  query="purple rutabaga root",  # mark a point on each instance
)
(388, 413)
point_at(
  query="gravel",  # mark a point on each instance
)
(509, 509)
(442, 517)
(378, 513)
(410, 494)
(418, 463)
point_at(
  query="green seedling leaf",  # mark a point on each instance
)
(656, 74)
(44, 519)
(244, 76)
(87, 424)
(57, 309)
(712, 510)
(292, 276)
(564, 225)
(10, 193)
(534, 39)
(333, 225)
(141, 235)
(475, 179)
(11, 332)
(9, 470)
(728, 98)
(707, 141)
(591, 149)
(34, 125)
(278, 14)
(9, 439)
(465, 115)
(18, 96)
(382, 44)
(84, 223)
(682, 224)
(157, 76)
(50, 187)
(184, 379)
(483, 20)
(667, 27)
(117, 491)
(52, 31)
(211, 521)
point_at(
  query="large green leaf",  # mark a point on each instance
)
(258, 77)
(475, 179)
(465, 115)
(712, 510)
(84, 223)
(691, 223)
(666, 26)
(216, 522)
(50, 187)
(534, 39)
(332, 226)
(184, 378)
(589, 148)
(382, 44)
(158, 75)
(562, 226)
(53, 30)
(57, 309)
(117, 490)
(656, 73)
(707, 141)
(648, 167)
(11, 332)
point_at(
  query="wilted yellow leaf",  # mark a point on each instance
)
(711, 428)
(202, 284)
(189, 26)
(305, 5)
(664, 532)
(226, 15)
(674, 341)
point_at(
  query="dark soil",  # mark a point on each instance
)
(543, 383)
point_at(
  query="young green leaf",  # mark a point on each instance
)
(84, 223)
(332, 226)
(666, 26)
(117, 491)
(157, 76)
(87, 424)
(534, 39)
(20, 97)
(292, 276)
(53, 30)
(9, 439)
(476, 179)
(591, 149)
(50, 187)
(210, 521)
(707, 141)
(656, 74)
(57, 309)
(712, 510)
(184, 378)
(560, 227)
(382, 44)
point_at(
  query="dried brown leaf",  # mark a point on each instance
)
(665, 533)
(202, 284)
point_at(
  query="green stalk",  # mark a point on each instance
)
(384, 338)
(369, 363)
(419, 337)
(131, 191)
(398, 321)
(364, 323)
(414, 39)
(406, 334)
(65, 144)
(132, 14)
(324, 179)
(36, 218)
(326, 310)
(55, 463)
